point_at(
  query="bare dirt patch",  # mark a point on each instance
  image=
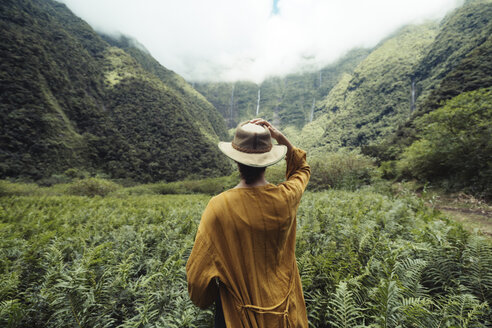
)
(473, 213)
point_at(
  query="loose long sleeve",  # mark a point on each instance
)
(201, 268)
(297, 173)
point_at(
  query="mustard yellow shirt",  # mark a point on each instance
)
(245, 249)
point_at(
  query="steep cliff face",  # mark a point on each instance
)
(409, 74)
(72, 100)
(371, 101)
(459, 60)
(460, 33)
(287, 100)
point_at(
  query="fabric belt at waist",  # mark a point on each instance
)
(270, 309)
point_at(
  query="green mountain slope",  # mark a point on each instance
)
(471, 73)
(369, 103)
(288, 101)
(407, 75)
(71, 100)
(203, 111)
(459, 60)
(460, 33)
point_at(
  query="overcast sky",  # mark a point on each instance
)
(226, 40)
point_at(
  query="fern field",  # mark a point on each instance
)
(370, 261)
(366, 260)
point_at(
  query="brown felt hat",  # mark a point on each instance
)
(252, 146)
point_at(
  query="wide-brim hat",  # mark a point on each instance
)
(252, 146)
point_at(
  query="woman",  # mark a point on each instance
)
(244, 251)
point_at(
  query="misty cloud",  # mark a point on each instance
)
(252, 39)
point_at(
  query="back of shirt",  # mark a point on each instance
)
(257, 227)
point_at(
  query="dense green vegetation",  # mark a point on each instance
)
(372, 261)
(472, 73)
(201, 110)
(460, 33)
(455, 144)
(338, 170)
(71, 100)
(365, 259)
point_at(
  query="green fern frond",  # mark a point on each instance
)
(317, 306)
(418, 312)
(477, 268)
(464, 310)
(409, 273)
(386, 303)
(444, 269)
(11, 313)
(344, 311)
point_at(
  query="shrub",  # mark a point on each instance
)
(209, 186)
(54, 179)
(388, 170)
(343, 169)
(75, 173)
(8, 188)
(92, 187)
(456, 145)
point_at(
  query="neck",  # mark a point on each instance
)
(258, 183)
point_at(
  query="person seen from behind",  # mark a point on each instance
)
(243, 258)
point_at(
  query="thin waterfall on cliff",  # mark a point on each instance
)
(232, 106)
(258, 104)
(412, 102)
(312, 110)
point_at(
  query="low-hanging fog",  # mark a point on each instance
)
(224, 40)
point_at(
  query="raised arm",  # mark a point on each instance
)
(298, 170)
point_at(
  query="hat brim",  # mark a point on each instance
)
(276, 154)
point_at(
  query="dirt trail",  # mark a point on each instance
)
(474, 214)
(471, 220)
